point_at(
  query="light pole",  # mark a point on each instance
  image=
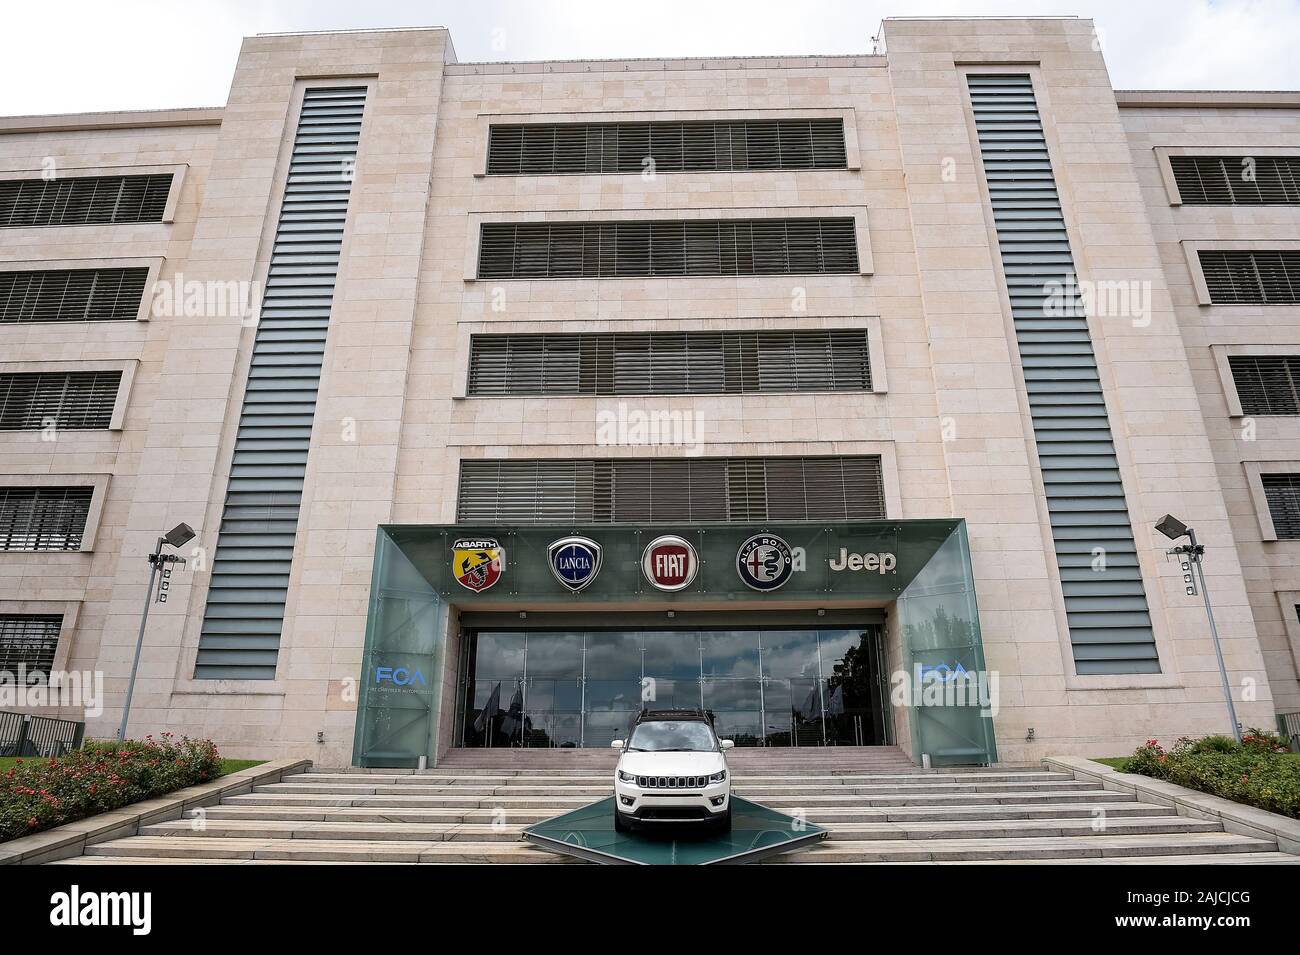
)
(178, 536)
(1192, 553)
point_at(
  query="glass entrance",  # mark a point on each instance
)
(766, 687)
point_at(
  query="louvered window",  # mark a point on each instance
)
(1251, 278)
(708, 146)
(83, 200)
(1267, 384)
(43, 518)
(29, 640)
(640, 490)
(1237, 180)
(1105, 601)
(72, 295)
(670, 363)
(1283, 494)
(78, 400)
(542, 250)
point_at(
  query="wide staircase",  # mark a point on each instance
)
(878, 807)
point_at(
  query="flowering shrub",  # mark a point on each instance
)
(1255, 772)
(39, 794)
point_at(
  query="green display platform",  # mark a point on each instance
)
(756, 832)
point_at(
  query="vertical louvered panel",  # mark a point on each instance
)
(1251, 277)
(669, 363)
(1283, 494)
(647, 490)
(1237, 180)
(1267, 384)
(250, 571)
(29, 640)
(43, 518)
(83, 200)
(79, 400)
(726, 145)
(541, 250)
(71, 295)
(1105, 603)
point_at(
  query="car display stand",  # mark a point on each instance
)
(756, 833)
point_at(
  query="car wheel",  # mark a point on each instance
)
(619, 824)
(723, 822)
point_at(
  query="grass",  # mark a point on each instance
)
(1119, 762)
(228, 766)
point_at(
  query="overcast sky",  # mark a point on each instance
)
(76, 55)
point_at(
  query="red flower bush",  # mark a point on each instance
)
(39, 794)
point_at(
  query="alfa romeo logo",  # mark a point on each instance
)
(669, 563)
(575, 561)
(764, 562)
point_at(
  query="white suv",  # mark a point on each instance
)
(673, 769)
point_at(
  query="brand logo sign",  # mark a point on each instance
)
(764, 562)
(477, 563)
(399, 676)
(575, 561)
(885, 563)
(669, 563)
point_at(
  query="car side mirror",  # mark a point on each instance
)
(617, 744)
(727, 743)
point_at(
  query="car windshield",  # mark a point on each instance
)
(672, 736)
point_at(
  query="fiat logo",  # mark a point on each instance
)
(669, 563)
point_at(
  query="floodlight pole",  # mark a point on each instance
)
(155, 561)
(1194, 553)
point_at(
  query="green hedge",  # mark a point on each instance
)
(1256, 772)
(39, 794)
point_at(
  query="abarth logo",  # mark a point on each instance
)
(477, 563)
(575, 561)
(764, 562)
(669, 563)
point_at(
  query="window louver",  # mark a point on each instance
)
(1267, 384)
(670, 363)
(242, 624)
(72, 295)
(83, 200)
(729, 145)
(1282, 491)
(1237, 180)
(1251, 278)
(29, 640)
(43, 518)
(541, 250)
(80, 400)
(641, 490)
(1105, 603)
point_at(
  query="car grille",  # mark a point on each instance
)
(672, 782)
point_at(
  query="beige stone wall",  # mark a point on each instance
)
(1217, 125)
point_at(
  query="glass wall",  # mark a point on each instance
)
(766, 687)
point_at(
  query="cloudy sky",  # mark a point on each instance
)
(79, 55)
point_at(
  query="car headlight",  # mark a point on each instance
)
(626, 777)
(718, 777)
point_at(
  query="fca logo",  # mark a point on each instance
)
(399, 676)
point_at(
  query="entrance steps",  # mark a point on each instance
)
(878, 808)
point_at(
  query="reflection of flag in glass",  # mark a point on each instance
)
(811, 705)
(489, 710)
(835, 707)
(513, 718)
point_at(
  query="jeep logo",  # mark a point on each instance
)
(870, 563)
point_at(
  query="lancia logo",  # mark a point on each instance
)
(575, 561)
(669, 563)
(764, 562)
(477, 563)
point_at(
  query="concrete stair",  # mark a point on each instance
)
(876, 805)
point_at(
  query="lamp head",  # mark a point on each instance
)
(180, 535)
(1171, 527)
